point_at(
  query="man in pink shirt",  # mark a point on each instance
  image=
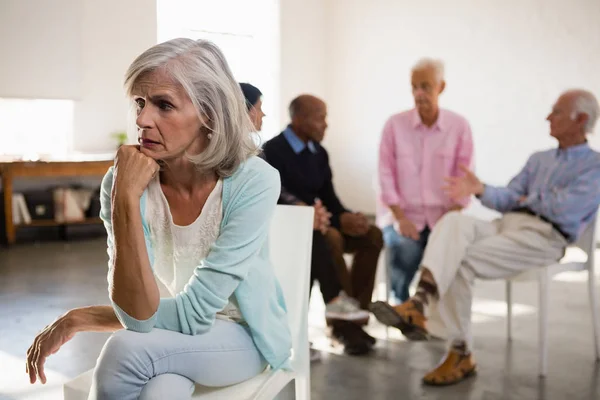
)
(419, 148)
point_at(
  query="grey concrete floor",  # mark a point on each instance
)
(40, 282)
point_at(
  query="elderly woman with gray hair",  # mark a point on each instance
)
(187, 214)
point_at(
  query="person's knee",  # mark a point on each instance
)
(372, 240)
(116, 361)
(375, 237)
(405, 251)
(452, 217)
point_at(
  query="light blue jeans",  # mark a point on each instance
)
(164, 364)
(404, 257)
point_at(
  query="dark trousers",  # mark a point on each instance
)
(322, 268)
(358, 281)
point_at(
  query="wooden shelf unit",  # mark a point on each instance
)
(9, 170)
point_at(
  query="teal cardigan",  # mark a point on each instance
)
(237, 263)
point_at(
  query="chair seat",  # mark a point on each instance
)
(551, 270)
(79, 388)
(274, 381)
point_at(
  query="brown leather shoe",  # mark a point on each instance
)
(406, 317)
(454, 368)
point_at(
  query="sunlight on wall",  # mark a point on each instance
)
(35, 127)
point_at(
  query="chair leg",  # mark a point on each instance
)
(387, 285)
(594, 307)
(543, 322)
(509, 310)
(388, 277)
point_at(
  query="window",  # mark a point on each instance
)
(246, 31)
(35, 128)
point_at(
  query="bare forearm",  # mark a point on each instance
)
(94, 319)
(397, 211)
(134, 287)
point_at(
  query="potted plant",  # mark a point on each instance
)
(120, 137)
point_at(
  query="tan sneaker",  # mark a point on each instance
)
(454, 368)
(406, 317)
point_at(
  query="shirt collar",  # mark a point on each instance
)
(573, 151)
(439, 123)
(297, 144)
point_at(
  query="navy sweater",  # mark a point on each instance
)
(305, 176)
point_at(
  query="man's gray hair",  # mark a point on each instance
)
(201, 69)
(585, 103)
(436, 64)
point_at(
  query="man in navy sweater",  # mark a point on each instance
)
(306, 178)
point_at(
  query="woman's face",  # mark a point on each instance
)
(257, 114)
(167, 121)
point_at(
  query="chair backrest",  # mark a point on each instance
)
(290, 246)
(587, 242)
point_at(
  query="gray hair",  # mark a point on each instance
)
(436, 64)
(585, 103)
(200, 68)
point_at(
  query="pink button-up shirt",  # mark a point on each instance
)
(414, 160)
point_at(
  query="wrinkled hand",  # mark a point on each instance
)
(322, 218)
(133, 172)
(46, 343)
(459, 187)
(406, 228)
(354, 224)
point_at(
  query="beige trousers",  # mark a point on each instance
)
(462, 248)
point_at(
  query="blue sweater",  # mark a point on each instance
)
(238, 262)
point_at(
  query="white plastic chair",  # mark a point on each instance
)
(290, 246)
(587, 243)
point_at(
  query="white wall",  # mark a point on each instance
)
(41, 48)
(303, 44)
(506, 62)
(114, 33)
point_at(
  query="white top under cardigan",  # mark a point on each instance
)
(178, 250)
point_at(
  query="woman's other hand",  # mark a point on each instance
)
(46, 343)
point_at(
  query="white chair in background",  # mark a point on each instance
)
(543, 275)
(290, 246)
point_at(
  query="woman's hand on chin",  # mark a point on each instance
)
(133, 172)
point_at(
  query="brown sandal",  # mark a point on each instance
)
(454, 368)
